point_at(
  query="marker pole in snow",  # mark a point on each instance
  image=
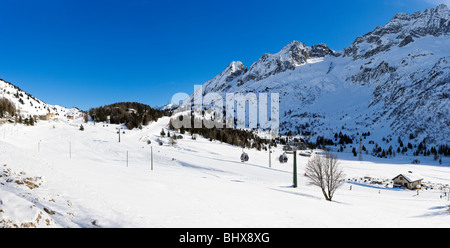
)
(448, 194)
(118, 132)
(270, 160)
(295, 169)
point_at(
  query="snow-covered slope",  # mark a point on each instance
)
(393, 81)
(27, 105)
(402, 30)
(54, 175)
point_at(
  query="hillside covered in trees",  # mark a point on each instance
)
(6, 107)
(233, 136)
(132, 114)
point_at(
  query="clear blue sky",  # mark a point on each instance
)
(96, 52)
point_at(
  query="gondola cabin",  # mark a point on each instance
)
(283, 158)
(244, 157)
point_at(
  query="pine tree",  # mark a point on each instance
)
(354, 151)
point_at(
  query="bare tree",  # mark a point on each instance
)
(324, 172)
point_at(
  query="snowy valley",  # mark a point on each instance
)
(381, 105)
(54, 175)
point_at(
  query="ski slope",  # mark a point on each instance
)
(82, 179)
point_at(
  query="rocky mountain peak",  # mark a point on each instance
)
(292, 55)
(320, 50)
(401, 30)
(232, 71)
(233, 67)
(401, 89)
(292, 51)
(401, 16)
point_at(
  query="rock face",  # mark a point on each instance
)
(393, 80)
(291, 56)
(320, 51)
(220, 82)
(400, 31)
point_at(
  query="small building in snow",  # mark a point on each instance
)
(44, 117)
(408, 180)
(22, 112)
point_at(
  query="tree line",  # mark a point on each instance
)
(233, 136)
(132, 114)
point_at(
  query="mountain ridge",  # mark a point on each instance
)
(393, 80)
(27, 105)
(401, 30)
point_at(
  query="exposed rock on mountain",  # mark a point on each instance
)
(401, 30)
(291, 56)
(393, 81)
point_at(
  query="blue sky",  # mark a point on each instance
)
(92, 53)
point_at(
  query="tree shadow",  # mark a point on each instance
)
(438, 211)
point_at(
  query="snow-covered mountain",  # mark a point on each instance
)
(400, 31)
(392, 82)
(27, 105)
(293, 55)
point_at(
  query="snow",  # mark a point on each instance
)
(360, 95)
(28, 105)
(381, 83)
(198, 183)
(411, 177)
(54, 175)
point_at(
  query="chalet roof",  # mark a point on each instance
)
(410, 176)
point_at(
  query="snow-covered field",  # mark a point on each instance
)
(198, 183)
